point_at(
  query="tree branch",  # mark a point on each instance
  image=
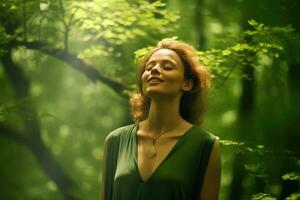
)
(90, 71)
(12, 133)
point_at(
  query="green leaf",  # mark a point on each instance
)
(226, 52)
(291, 176)
(262, 196)
(252, 22)
(293, 196)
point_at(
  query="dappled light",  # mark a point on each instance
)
(68, 70)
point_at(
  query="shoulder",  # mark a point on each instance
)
(212, 178)
(117, 133)
(204, 135)
(212, 145)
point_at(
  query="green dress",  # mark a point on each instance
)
(178, 177)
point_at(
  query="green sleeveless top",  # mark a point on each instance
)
(178, 177)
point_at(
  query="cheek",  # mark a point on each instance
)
(175, 78)
(175, 82)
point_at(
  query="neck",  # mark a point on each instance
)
(163, 115)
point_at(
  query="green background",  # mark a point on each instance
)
(68, 67)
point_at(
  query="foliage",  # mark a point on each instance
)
(95, 31)
(73, 113)
(242, 147)
(250, 47)
(114, 23)
(291, 176)
(262, 196)
(293, 196)
(257, 170)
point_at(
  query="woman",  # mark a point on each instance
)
(164, 155)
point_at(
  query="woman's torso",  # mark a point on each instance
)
(177, 174)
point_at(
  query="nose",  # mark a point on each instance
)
(155, 69)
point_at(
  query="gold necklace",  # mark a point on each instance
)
(153, 152)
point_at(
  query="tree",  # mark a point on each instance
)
(54, 30)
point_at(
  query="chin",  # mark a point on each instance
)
(152, 93)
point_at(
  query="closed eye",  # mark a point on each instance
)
(168, 66)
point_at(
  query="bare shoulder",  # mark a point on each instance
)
(216, 148)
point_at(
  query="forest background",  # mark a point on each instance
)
(67, 69)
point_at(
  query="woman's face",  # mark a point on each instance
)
(164, 74)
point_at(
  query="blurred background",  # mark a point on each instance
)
(67, 69)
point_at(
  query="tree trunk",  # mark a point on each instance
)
(30, 136)
(292, 142)
(292, 133)
(199, 23)
(244, 131)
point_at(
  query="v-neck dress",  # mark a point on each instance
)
(178, 177)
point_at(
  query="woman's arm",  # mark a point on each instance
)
(212, 178)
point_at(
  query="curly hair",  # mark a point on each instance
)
(193, 104)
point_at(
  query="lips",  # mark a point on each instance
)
(154, 79)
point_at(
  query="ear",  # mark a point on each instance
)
(187, 85)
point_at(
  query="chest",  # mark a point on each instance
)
(151, 154)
